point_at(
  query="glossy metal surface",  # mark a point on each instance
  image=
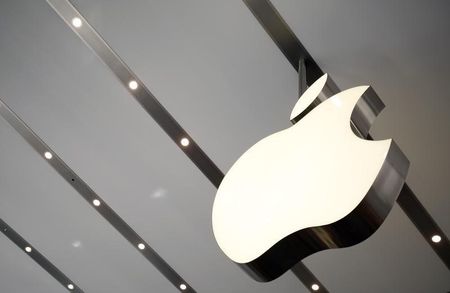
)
(302, 85)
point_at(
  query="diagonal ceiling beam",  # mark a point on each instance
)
(38, 257)
(425, 223)
(272, 22)
(308, 278)
(141, 93)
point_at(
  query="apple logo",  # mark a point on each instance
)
(313, 186)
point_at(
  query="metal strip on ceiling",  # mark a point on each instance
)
(149, 102)
(93, 198)
(142, 94)
(272, 22)
(308, 278)
(424, 222)
(40, 259)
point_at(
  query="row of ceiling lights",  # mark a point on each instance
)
(48, 155)
(133, 85)
(96, 202)
(28, 249)
(71, 286)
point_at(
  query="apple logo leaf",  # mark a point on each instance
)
(302, 107)
(307, 188)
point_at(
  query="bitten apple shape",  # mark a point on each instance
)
(310, 187)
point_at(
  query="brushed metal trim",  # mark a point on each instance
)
(366, 110)
(38, 257)
(302, 86)
(142, 94)
(85, 191)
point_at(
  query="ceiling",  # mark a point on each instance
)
(220, 75)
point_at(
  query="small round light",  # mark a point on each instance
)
(70, 286)
(315, 287)
(48, 155)
(183, 287)
(184, 142)
(141, 246)
(133, 85)
(96, 202)
(28, 249)
(436, 238)
(76, 22)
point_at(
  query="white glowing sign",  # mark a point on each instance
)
(312, 174)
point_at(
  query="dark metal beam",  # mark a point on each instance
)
(284, 37)
(289, 44)
(426, 225)
(93, 198)
(308, 278)
(302, 85)
(40, 259)
(142, 94)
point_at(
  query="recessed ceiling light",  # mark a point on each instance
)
(436, 238)
(70, 286)
(183, 287)
(96, 202)
(48, 155)
(76, 22)
(141, 246)
(184, 142)
(133, 85)
(28, 249)
(315, 287)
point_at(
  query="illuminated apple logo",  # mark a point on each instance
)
(310, 187)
